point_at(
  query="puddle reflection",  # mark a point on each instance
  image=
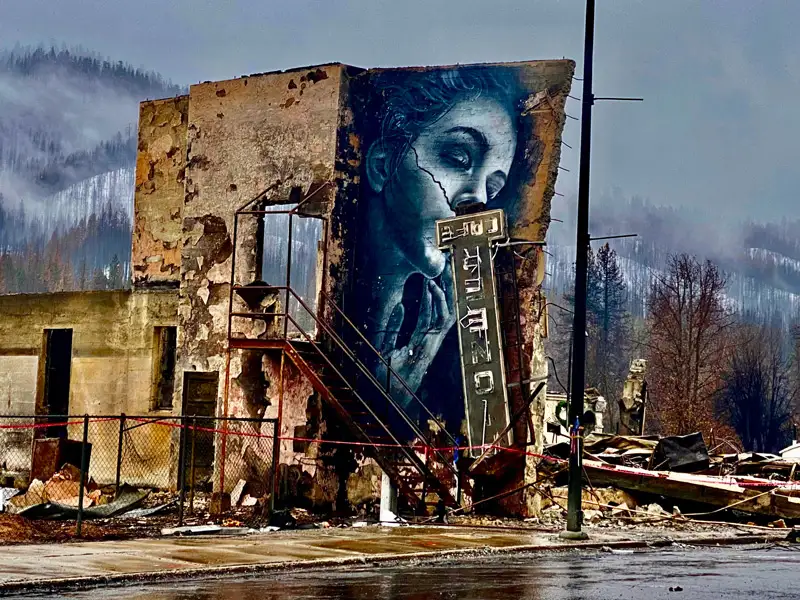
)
(708, 574)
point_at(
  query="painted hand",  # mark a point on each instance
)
(436, 317)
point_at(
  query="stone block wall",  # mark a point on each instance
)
(158, 197)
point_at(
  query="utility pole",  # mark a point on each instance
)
(578, 371)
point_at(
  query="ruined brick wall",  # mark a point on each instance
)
(276, 131)
(111, 366)
(158, 198)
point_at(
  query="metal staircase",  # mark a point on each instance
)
(339, 361)
(364, 405)
(334, 355)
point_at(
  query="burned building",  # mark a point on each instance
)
(289, 263)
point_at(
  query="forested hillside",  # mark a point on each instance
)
(67, 152)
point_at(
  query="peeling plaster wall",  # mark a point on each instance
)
(277, 131)
(111, 370)
(158, 199)
(556, 78)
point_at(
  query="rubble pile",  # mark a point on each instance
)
(47, 510)
(630, 481)
(63, 488)
(647, 479)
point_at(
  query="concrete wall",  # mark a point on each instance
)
(276, 131)
(158, 199)
(111, 372)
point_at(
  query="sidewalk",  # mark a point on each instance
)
(28, 567)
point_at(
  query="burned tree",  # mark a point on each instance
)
(757, 391)
(688, 326)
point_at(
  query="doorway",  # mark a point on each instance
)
(199, 400)
(57, 371)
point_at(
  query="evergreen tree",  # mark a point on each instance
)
(609, 328)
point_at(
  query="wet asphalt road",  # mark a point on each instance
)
(721, 574)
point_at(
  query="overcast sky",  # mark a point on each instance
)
(720, 78)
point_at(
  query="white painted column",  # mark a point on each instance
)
(388, 513)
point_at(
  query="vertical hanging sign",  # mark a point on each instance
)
(469, 239)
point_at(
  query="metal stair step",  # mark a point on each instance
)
(339, 391)
(333, 380)
(310, 356)
(371, 425)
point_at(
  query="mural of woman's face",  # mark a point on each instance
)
(462, 158)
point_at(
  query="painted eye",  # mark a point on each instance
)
(457, 158)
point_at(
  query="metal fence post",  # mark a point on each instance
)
(275, 454)
(119, 452)
(192, 463)
(83, 473)
(182, 483)
(222, 455)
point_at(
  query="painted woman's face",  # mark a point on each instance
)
(462, 158)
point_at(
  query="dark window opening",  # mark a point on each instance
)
(164, 347)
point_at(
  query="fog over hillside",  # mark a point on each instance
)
(67, 154)
(761, 260)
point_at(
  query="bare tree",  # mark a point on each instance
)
(687, 325)
(794, 376)
(757, 391)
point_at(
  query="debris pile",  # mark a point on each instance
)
(63, 488)
(59, 497)
(645, 478)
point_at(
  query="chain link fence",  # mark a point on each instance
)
(117, 467)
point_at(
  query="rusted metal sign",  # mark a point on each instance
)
(469, 239)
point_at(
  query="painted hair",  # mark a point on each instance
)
(404, 103)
